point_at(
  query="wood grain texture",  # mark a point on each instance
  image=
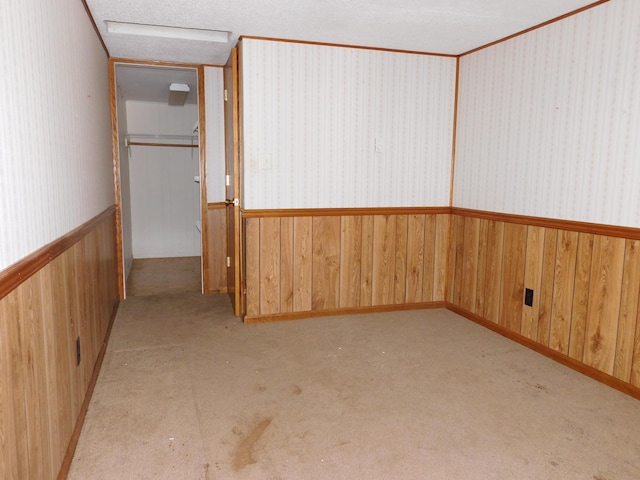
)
(384, 239)
(429, 267)
(441, 260)
(452, 242)
(604, 302)
(252, 269)
(366, 276)
(513, 276)
(302, 257)
(350, 261)
(635, 366)
(40, 384)
(469, 282)
(270, 281)
(399, 278)
(216, 258)
(546, 287)
(627, 323)
(415, 258)
(286, 264)
(458, 225)
(482, 267)
(532, 279)
(580, 295)
(326, 263)
(563, 282)
(493, 271)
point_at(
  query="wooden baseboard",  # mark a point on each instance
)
(217, 291)
(587, 370)
(75, 436)
(276, 317)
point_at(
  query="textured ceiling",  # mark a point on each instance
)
(435, 26)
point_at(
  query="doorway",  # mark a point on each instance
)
(160, 166)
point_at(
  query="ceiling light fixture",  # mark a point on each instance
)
(178, 93)
(167, 32)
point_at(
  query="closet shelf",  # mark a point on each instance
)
(145, 140)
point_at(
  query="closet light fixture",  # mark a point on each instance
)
(164, 31)
(178, 93)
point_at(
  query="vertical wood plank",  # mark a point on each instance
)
(515, 238)
(459, 265)
(252, 265)
(470, 263)
(493, 276)
(400, 275)
(429, 272)
(441, 257)
(384, 237)
(302, 256)
(286, 264)
(217, 249)
(12, 421)
(451, 259)
(546, 288)
(580, 295)
(532, 279)
(269, 265)
(635, 365)
(326, 263)
(350, 261)
(415, 258)
(628, 311)
(366, 277)
(563, 282)
(604, 302)
(482, 267)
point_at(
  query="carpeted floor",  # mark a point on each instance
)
(163, 276)
(188, 392)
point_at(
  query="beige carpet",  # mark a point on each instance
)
(188, 392)
(161, 276)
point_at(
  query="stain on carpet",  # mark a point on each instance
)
(244, 454)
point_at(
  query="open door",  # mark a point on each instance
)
(232, 161)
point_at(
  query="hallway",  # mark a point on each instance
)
(186, 391)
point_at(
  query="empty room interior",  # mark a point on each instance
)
(328, 240)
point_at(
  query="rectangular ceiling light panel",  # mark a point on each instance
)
(167, 32)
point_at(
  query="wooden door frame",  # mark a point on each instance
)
(115, 152)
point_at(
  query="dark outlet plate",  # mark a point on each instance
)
(77, 351)
(528, 297)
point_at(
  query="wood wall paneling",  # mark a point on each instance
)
(41, 388)
(286, 264)
(482, 267)
(441, 261)
(400, 261)
(350, 261)
(628, 321)
(546, 285)
(326, 263)
(532, 279)
(580, 295)
(513, 276)
(216, 248)
(604, 302)
(366, 276)
(563, 282)
(470, 263)
(252, 266)
(493, 271)
(302, 258)
(384, 239)
(416, 266)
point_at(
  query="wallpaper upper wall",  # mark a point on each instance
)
(549, 122)
(56, 168)
(313, 116)
(214, 113)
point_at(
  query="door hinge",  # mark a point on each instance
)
(227, 180)
(226, 95)
(228, 262)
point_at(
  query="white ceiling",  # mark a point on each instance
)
(151, 84)
(435, 26)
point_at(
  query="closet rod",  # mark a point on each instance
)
(149, 144)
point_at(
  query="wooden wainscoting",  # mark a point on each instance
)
(217, 248)
(585, 281)
(43, 393)
(306, 263)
